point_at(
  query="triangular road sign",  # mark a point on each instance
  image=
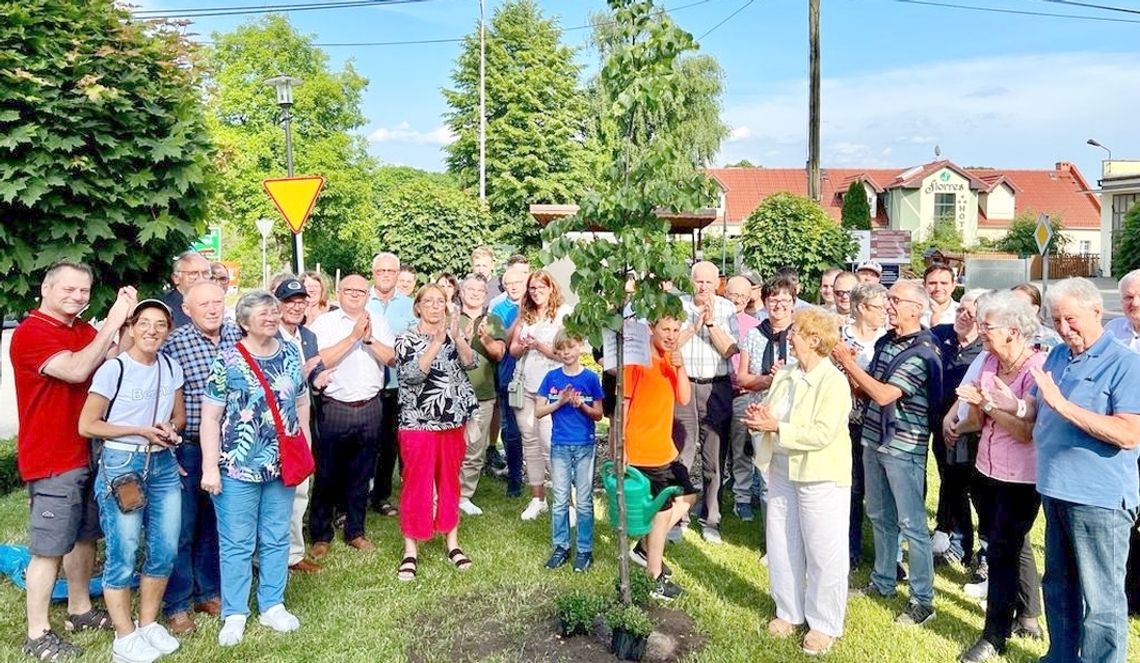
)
(294, 197)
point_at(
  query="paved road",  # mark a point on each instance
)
(8, 394)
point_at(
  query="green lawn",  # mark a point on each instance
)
(356, 610)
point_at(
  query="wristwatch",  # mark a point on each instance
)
(988, 407)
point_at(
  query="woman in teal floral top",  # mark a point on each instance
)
(241, 465)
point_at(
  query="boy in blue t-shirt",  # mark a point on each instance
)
(573, 397)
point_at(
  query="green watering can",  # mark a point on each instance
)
(640, 505)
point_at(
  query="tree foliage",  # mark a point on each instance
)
(431, 226)
(1126, 250)
(244, 119)
(856, 214)
(944, 236)
(1019, 237)
(790, 230)
(103, 155)
(743, 163)
(535, 118)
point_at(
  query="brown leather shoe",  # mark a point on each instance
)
(362, 543)
(211, 607)
(180, 624)
(319, 549)
(305, 566)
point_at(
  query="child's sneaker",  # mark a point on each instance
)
(582, 562)
(558, 558)
(536, 508)
(665, 590)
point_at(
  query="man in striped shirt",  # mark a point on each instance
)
(896, 432)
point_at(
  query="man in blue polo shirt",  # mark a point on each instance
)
(1087, 412)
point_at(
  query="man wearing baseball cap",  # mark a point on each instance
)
(869, 271)
(294, 302)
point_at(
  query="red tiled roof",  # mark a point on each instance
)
(1061, 190)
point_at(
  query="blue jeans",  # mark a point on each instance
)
(572, 464)
(196, 574)
(1086, 548)
(253, 516)
(162, 516)
(893, 487)
(512, 442)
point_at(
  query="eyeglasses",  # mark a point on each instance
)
(220, 279)
(144, 325)
(355, 292)
(967, 314)
(841, 294)
(895, 301)
(777, 302)
(296, 301)
(385, 271)
(205, 273)
(877, 307)
(538, 287)
(434, 301)
(986, 328)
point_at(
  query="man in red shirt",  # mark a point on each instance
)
(54, 354)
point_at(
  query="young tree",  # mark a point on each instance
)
(535, 118)
(1126, 252)
(1019, 237)
(649, 165)
(243, 118)
(103, 155)
(856, 213)
(790, 230)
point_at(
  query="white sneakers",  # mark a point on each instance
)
(977, 590)
(536, 508)
(939, 543)
(158, 637)
(233, 630)
(279, 619)
(133, 648)
(468, 507)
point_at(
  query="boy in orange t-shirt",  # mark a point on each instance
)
(650, 394)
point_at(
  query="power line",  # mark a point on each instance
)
(1089, 5)
(206, 12)
(726, 19)
(1020, 12)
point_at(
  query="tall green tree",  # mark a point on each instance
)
(433, 226)
(856, 214)
(535, 118)
(103, 154)
(648, 165)
(1019, 238)
(244, 120)
(1126, 248)
(791, 230)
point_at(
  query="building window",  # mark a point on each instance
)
(1121, 203)
(944, 206)
(1086, 246)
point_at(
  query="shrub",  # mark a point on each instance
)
(631, 619)
(9, 473)
(640, 585)
(577, 611)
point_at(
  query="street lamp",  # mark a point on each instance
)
(284, 87)
(264, 226)
(1095, 143)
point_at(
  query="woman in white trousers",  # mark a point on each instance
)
(802, 441)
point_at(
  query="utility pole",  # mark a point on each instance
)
(482, 104)
(814, 191)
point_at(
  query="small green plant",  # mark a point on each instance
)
(631, 619)
(9, 472)
(640, 585)
(577, 611)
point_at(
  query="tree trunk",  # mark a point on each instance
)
(618, 424)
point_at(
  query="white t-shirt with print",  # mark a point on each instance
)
(536, 365)
(134, 404)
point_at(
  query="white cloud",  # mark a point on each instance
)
(1012, 111)
(404, 133)
(739, 133)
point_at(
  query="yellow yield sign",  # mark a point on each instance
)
(294, 197)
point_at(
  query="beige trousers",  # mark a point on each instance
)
(477, 434)
(535, 441)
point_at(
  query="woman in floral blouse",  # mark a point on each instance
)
(436, 400)
(241, 465)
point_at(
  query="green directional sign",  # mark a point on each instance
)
(210, 244)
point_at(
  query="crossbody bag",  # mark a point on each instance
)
(129, 489)
(296, 457)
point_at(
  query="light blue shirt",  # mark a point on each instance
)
(397, 312)
(1121, 330)
(1071, 464)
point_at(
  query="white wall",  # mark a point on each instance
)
(999, 204)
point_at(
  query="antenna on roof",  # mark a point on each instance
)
(937, 152)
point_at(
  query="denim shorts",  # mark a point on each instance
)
(63, 512)
(162, 515)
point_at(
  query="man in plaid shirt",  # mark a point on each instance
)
(194, 346)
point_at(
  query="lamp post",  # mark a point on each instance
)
(284, 87)
(1095, 143)
(264, 226)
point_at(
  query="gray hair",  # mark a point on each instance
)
(1080, 290)
(181, 258)
(918, 290)
(472, 277)
(56, 269)
(250, 301)
(1128, 278)
(973, 295)
(386, 255)
(865, 292)
(1010, 311)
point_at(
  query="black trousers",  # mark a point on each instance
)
(388, 449)
(1015, 586)
(855, 526)
(1132, 570)
(702, 426)
(955, 479)
(345, 452)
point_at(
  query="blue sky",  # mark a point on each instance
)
(899, 78)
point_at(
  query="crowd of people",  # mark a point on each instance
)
(176, 423)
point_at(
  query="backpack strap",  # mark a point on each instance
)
(118, 386)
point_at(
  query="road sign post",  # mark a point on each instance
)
(1043, 235)
(295, 198)
(264, 226)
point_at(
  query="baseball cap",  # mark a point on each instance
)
(872, 265)
(290, 288)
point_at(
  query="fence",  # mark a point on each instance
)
(1064, 266)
